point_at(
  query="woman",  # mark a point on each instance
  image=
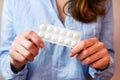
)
(24, 56)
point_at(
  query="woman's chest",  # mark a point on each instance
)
(34, 14)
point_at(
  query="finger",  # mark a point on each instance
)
(16, 57)
(30, 35)
(101, 64)
(29, 46)
(28, 55)
(91, 50)
(82, 45)
(90, 42)
(93, 58)
(76, 49)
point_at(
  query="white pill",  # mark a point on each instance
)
(49, 28)
(41, 34)
(47, 37)
(54, 38)
(63, 32)
(67, 42)
(73, 43)
(42, 27)
(76, 35)
(69, 34)
(56, 30)
(60, 40)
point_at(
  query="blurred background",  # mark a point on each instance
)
(116, 6)
(0, 24)
(0, 8)
(1, 1)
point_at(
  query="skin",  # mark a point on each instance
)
(93, 52)
(89, 51)
(26, 45)
(60, 5)
(24, 48)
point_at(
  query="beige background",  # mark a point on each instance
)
(116, 4)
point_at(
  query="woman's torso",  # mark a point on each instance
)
(52, 62)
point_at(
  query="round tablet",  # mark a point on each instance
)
(76, 36)
(73, 43)
(67, 42)
(42, 27)
(56, 30)
(41, 34)
(54, 38)
(63, 32)
(69, 34)
(49, 28)
(47, 37)
(60, 40)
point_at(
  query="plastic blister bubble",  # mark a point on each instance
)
(60, 36)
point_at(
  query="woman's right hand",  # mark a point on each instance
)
(24, 48)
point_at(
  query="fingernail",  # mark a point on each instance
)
(41, 45)
(70, 55)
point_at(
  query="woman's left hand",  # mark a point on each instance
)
(93, 52)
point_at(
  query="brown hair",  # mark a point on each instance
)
(86, 11)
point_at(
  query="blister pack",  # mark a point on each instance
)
(58, 35)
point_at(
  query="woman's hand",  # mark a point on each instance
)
(91, 52)
(24, 48)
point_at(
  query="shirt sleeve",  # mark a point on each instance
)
(106, 36)
(7, 36)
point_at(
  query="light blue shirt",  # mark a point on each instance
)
(52, 62)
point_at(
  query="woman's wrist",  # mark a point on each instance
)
(16, 69)
(103, 68)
